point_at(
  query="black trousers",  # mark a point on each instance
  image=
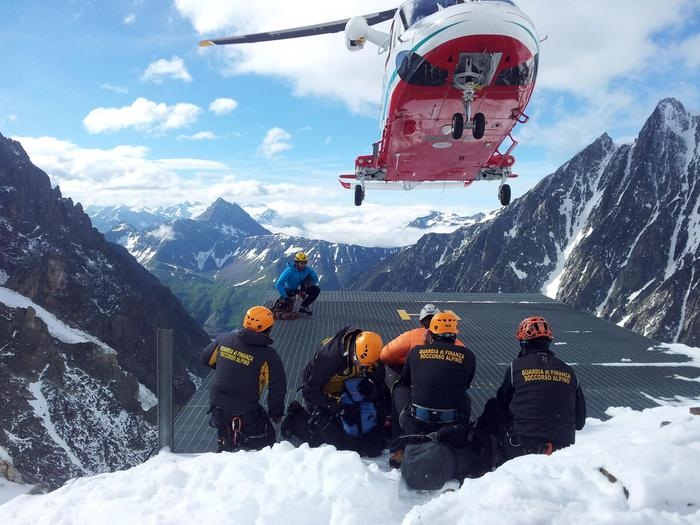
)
(251, 431)
(311, 292)
(322, 426)
(496, 420)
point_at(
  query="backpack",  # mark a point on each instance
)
(368, 416)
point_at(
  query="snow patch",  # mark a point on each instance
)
(679, 349)
(56, 328)
(10, 490)
(5, 456)
(147, 398)
(3, 277)
(634, 295)
(41, 410)
(518, 273)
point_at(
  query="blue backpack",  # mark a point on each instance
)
(368, 412)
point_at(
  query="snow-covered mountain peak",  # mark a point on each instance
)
(231, 219)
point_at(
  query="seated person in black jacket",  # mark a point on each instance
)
(245, 364)
(345, 394)
(432, 390)
(540, 404)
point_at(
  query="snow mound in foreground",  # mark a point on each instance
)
(651, 461)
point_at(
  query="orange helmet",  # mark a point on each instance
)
(258, 319)
(368, 345)
(532, 328)
(444, 323)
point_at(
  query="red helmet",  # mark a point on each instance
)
(532, 328)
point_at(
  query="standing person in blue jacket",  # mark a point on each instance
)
(298, 277)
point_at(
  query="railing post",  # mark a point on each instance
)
(165, 388)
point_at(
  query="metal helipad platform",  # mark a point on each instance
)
(615, 366)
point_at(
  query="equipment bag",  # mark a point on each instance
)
(365, 412)
(428, 465)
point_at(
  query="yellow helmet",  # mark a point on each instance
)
(368, 345)
(444, 323)
(258, 319)
(301, 257)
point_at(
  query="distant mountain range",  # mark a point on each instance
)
(105, 218)
(438, 220)
(222, 261)
(614, 231)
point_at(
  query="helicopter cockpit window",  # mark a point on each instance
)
(412, 12)
(520, 75)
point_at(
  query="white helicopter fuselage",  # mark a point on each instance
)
(492, 19)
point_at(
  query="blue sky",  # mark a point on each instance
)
(114, 100)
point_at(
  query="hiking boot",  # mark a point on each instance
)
(305, 310)
(292, 411)
(396, 458)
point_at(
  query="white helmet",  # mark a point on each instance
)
(428, 309)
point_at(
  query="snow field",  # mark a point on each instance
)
(654, 455)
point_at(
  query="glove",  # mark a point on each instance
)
(368, 389)
(291, 293)
(351, 414)
(276, 419)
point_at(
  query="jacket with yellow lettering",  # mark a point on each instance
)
(544, 397)
(245, 364)
(333, 363)
(439, 374)
(395, 351)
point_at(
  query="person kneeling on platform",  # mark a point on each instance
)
(540, 404)
(432, 390)
(245, 363)
(346, 399)
(298, 278)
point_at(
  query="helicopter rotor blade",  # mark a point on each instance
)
(296, 32)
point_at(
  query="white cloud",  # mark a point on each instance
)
(163, 69)
(223, 106)
(689, 51)
(590, 44)
(369, 225)
(129, 19)
(163, 232)
(120, 90)
(316, 66)
(126, 174)
(10, 117)
(276, 141)
(142, 115)
(202, 135)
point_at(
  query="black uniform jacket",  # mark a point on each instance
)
(439, 375)
(543, 395)
(245, 363)
(333, 363)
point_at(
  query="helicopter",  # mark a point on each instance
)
(458, 77)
